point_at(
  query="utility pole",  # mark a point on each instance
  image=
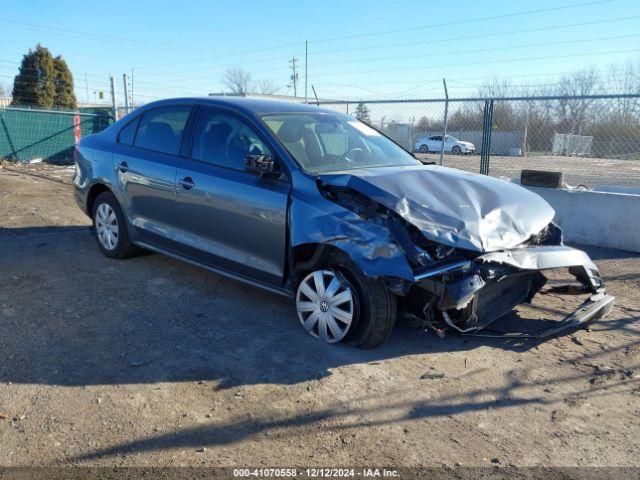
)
(124, 90)
(132, 104)
(294, 76)
(446, 118)
(306, 68)
(113, 97)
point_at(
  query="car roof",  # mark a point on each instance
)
(250, 105)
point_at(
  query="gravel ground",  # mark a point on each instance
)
(151, 361)
(590, 172)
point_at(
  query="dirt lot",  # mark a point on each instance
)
(151, 361)
(590, 172)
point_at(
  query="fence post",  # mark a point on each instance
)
(524, 140)
(126, 95)
(446, 118)
(113, 98)
(487, 123)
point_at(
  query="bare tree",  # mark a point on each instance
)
(495, 88)
(504, 112)
(268, 87)
(574, 112)
(423, 124)
(237, 80)
(625, 78)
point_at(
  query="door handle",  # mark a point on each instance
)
(187, 183)
(123, 167)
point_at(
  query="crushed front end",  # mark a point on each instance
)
(469, 295)
(461, 251)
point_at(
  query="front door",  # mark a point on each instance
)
(229, 217)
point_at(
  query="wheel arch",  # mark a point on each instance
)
(93, 193)
(306, 256)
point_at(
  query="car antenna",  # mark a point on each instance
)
(316, 95)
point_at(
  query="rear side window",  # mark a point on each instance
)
(128, 133)
(161, 129)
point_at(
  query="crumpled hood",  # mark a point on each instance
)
(449, 206)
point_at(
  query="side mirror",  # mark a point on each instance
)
(263, 165)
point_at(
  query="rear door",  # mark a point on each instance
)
(231, 218)
(146, 160)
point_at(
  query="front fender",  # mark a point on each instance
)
(314, 219)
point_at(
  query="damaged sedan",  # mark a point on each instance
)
(320, 207)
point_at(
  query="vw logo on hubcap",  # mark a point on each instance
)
(324, 305)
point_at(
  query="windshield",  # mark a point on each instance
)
(325, 143)
(451, 139)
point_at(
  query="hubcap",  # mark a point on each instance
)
(325, 305)
(107, 226)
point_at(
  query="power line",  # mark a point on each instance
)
(457, 80)
(483, 35)
(457, 64)
(386, 32)
(429, 42)
(228, 55)
(494, 49)
(461, 22)
(96, 36)
(370, 34)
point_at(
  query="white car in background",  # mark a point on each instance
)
(451, 145)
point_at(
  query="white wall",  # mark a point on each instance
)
(603, 219)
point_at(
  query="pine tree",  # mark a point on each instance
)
(64, 96)
(34, 85)
(362, 113)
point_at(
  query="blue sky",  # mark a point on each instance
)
(357, 49)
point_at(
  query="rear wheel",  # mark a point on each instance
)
(110, 228)
(337, 302)
(423, 149)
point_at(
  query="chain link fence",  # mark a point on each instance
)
(28, 135)
(593, 140)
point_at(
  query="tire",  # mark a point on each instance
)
(423, 149)
(456, 150)
(374, 306)
(120, 246)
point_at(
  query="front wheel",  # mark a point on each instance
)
(337, 302)
(456, 150)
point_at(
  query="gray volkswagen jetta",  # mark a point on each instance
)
(320, 207)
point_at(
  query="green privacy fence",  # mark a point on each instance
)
(29, 134)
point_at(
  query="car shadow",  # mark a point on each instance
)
(355, 416)
(72, 317)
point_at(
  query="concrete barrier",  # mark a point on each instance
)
(602, 219)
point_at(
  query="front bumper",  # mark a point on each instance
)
(596, 307)
(469, 295)
(466, 149)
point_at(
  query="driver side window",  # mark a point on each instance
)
(225, 140)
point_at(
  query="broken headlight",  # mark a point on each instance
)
(549, 235)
